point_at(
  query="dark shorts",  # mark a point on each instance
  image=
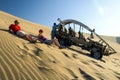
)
(48, 42)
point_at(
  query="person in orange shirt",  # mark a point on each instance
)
(16, 29)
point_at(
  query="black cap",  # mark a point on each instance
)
(54, 23)
(16, 21)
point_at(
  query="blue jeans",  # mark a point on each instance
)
(52, 35)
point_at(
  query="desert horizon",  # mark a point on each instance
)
(22, 60)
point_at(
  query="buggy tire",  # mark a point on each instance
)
(96, 53)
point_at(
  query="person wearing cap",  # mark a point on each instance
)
(47, 41)
(16, 29)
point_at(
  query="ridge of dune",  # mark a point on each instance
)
(115, 39)
(21, 60)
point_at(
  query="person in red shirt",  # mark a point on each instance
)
(16, 29)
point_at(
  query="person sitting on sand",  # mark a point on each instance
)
(45, 40)
(15, 28)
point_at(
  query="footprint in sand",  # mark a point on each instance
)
(37, 51)
(85, 75)
(117, 75)
(97, 64)
(66, 55)
(28, 48)
(72, 73)
(75, 56)
(116, 61)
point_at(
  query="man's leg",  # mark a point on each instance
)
(55, 41)
(29, 38)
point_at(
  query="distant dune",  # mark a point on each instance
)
(21, 60)
(118, 39)
(112, 38)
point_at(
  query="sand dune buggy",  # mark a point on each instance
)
(70, 32)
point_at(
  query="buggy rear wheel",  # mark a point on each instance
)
(96, 53)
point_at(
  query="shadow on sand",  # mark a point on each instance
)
(4, 30)
(14, 34)
(84, 53)
(11, 33)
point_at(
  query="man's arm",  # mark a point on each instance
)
(10, 30)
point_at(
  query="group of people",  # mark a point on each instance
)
(16, 29)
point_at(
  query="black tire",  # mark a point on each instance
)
(61, 41)
(97, 54)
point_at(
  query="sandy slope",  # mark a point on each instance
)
(21, 60)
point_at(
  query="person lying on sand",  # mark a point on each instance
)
(45, 40)
(16, 29)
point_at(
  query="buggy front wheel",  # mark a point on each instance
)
(96, 53)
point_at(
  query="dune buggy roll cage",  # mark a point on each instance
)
(68, 38)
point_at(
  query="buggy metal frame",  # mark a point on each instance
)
(96, 48)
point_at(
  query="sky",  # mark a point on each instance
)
(102, 15)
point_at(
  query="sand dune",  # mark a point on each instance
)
(21, 60)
